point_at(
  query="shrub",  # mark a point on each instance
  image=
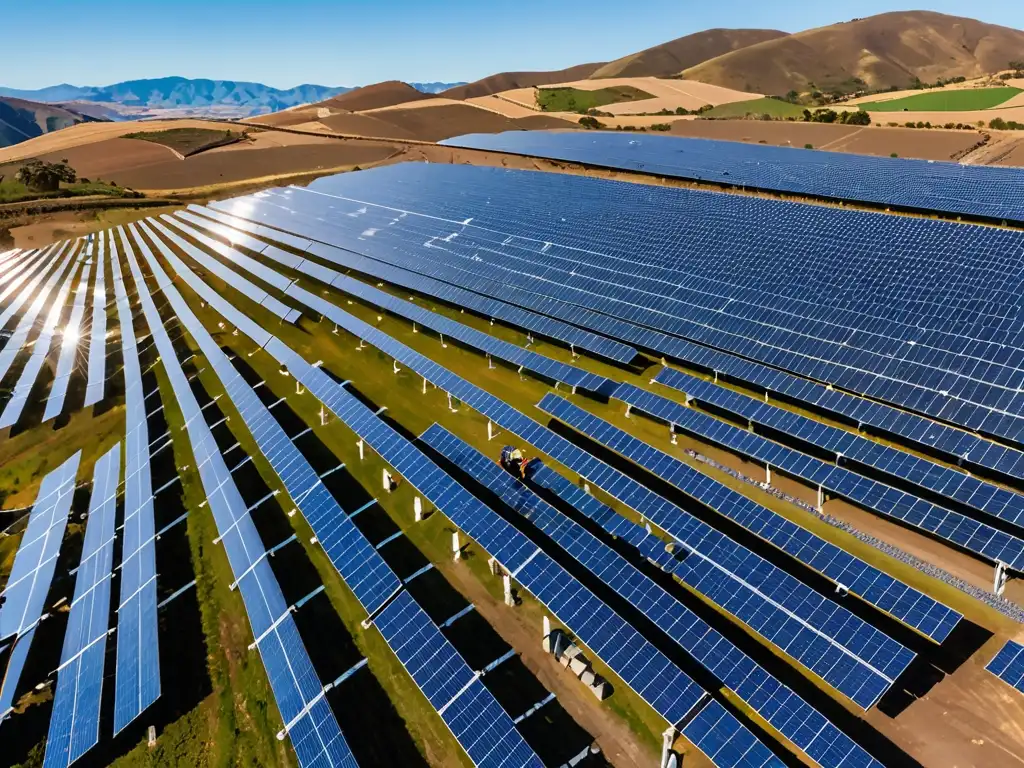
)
(45, 177)
(808, 146)
(893, 154)
(591, 123)
(661, 127)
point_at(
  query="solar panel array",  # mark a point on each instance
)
(709, 269)
(32, 572)
(71, 335)
(489, 345)
(780, 706)
(957, 486)
(990, 192)
(984, 540)
(75, 722)
(1008, 665)
(301, 699)
(138, 646)
(24, 265)
(95, 386)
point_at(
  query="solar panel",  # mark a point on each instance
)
(668, 689)
(888, 327)
(988, 192)
(96, 382)
(489, 345)
(863, 491)
(359, 564)
(27, 320)
(7, 256)
(957, 486)
(137, 683)
(794, 718)
(410, 277)
(232, 278)
(75, 722)
(458, 694)
(70, 336)
(40, 350)
(19, 264)
(1008, 665)
(300, 696)
(32, 572)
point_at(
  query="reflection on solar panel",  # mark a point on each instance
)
(75, 722)
(70, 336)
(910, 606)
(989, 192)
(6, 257)
(232, 278)
(359, 564)
(659, 682)
(502, 350)
(890, 502)
(40, 350)
(933, 334)
(96, 383)
(25, 323)
(1008, 665)
(17, 265)
(781, 707)
(138, 652)
(472, 713)
(301, 699)
(410, 277)
(34, 563)
(949, 483)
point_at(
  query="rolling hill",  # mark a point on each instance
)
(676, 55)
(507, 81)
(21, 120)
(890, 49)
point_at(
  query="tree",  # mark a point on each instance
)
(45, 177)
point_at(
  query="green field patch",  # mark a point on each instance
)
(766, 106)
(577, 100)
(190, 141)
(961, 100)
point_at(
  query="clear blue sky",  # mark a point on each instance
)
(340, 42)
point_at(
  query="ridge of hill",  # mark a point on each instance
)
(886, 50)
(507, 81)
(21, 120)
(676, 55)
(385, 94)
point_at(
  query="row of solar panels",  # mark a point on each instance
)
(696, 266)
(309, 374)
(989, 192)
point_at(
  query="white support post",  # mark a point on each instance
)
(456, 549)
(629, 410)
(451, 407)
(668, 738)
(529, 339)
(424, 385)
(335, 331)
(417, 509)
(672, 434)
(508, 591)
(443, 345)
(586, 488)
(766, 395)
(490, 362)
(323, 416)
(821, 498)
(385, 480)
(716, 377)
(415, 329)
(572, 349)
(362, 345)
(360, 444)
(999, 582)
(490, 430)
(394, 366)
(298, 387)
(767, 474)
(547, 626)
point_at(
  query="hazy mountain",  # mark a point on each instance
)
(21, 120)
(434, 87)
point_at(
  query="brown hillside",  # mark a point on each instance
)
(386, 94)
(684, 52)
(448, 120)
(889, 49)
(507, 81)
(21, 120)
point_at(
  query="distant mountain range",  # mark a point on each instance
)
(182, 93)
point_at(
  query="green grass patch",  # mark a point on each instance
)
(960, 100)
(757, 107)
(190, 141)
(13, 191)
(577, 100)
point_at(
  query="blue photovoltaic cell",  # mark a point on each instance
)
(246, 287)
(70, 338)
(95, 385)
(720, 736)
(405, 272)
(1008, 665)
(882, 311)
(909, 605)
(75, 722)
(887, 501)
(952, 484)
(299, 694)
(990, 192)
(359, 564)
(138, 651)
(839, 663)
(469, 710)
(32, 572)
(668, 690)
(502, 350)
(808, 729)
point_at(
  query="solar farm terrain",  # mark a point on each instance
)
(455, 465)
